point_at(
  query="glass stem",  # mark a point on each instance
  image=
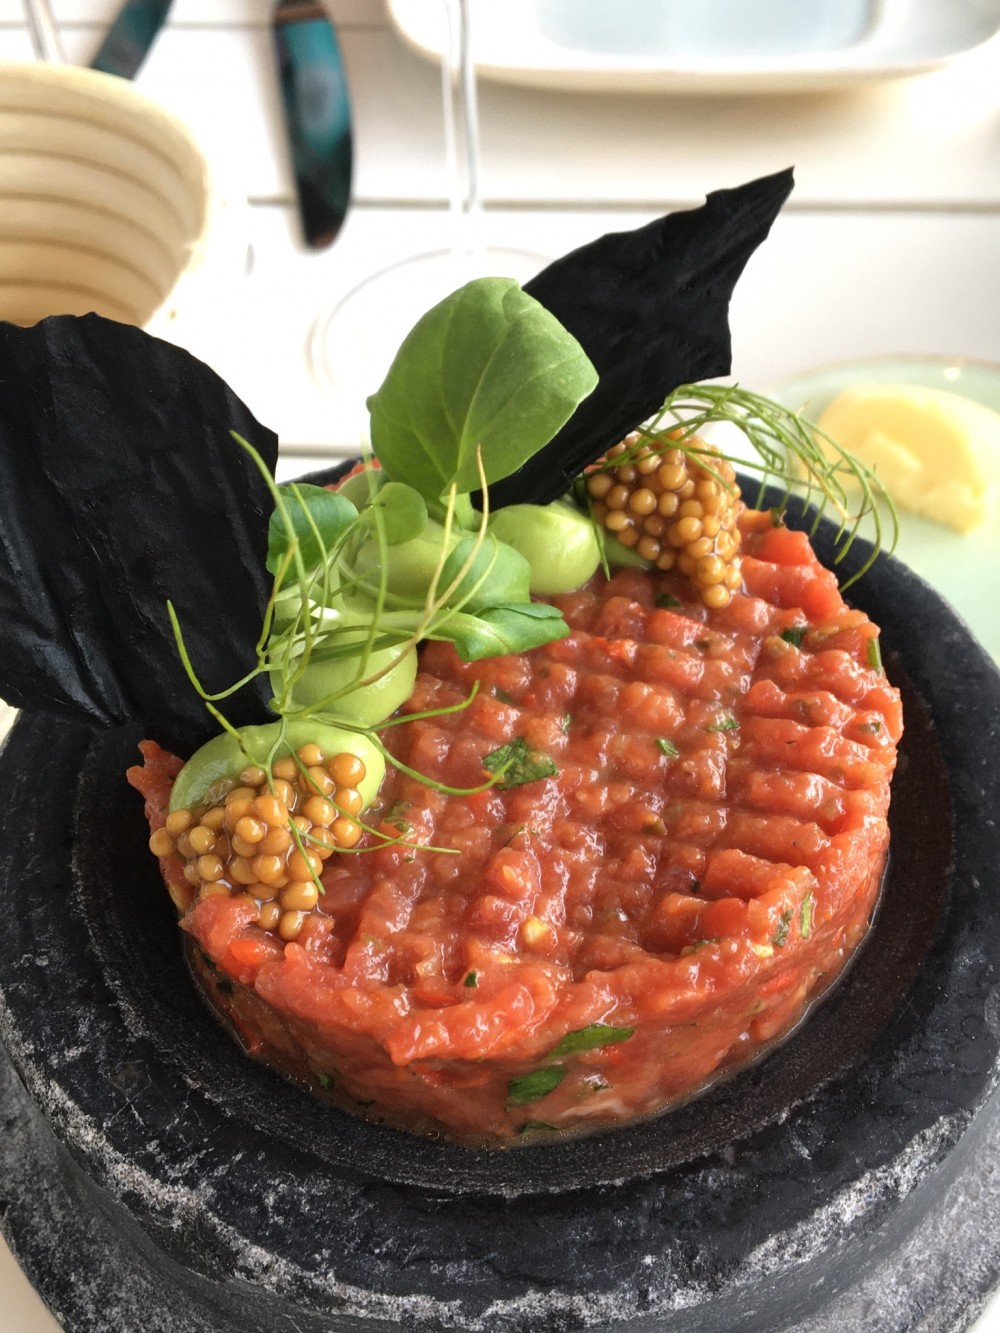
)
(44, 34)
(461, 132)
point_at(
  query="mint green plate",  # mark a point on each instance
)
(964, 568)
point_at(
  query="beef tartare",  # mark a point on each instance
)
(684, 850)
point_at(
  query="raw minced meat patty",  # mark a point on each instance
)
(609, 939)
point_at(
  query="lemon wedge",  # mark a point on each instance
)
(936, 453)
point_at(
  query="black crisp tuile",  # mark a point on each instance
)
(122, 487)
(651, 309)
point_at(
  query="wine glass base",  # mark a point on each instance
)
(352, 345)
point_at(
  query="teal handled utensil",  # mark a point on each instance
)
(133, 31)
(317, 116)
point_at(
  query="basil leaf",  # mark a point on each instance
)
(502, 629)
(308, 507)
(534, 1086)
(498, 575)
(588, 1038)
(404, 513)
(520, 763)
(488, 366)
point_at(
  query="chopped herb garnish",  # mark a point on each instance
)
(589, 1038)
(566, 721)
(667, 747)
(534, 1086)
(502, 696)
(471, 979)
(531, 1126)
(394, 816)
(519, 764)
(708, 939)
(784, 925)
(874, 655)
(806, 915)
(324, 1080)
(778, 516)
(666, 602)
(795, 634)
(727, 723)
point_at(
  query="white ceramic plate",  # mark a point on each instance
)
(964, 568)
(717, 46)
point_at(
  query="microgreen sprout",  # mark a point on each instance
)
(791, 451)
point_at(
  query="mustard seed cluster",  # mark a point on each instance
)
(264, 840)
(675, 511)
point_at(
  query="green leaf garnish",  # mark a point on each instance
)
(485, 573)
(403, 509)
(534, 1086)
(727, 723)
(784, 926)
(667, 747)
(497, 630)
(794, 634)
(591, 1037)
(665, 602)
(489, 366)
(471, 979)
(319, 518)
(518, 763)
(873, 655)
(535, 1126)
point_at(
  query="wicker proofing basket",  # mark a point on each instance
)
(105, 199)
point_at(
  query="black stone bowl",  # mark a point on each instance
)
(154, 1178)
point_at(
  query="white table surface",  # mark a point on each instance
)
(891, 242)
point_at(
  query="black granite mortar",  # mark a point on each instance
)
(843, 1173)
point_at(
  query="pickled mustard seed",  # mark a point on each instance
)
(519, 764)
(676, 508)
(265, 840)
